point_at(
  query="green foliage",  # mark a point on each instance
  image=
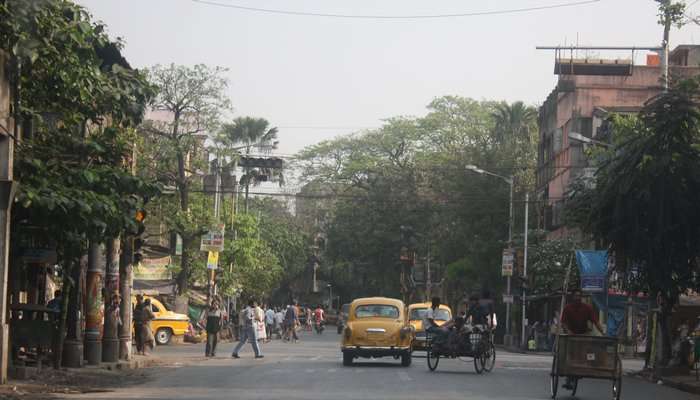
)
(255, 268)
(647, 191)
(81, 97)
(548, 261)
(411, 172)
(188, 106)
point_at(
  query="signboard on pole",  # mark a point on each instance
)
(214, 239)
(507, 299)
(213, 260)
(507, 262)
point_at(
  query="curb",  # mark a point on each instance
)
(670, 382)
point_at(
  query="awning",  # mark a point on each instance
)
(154, 287)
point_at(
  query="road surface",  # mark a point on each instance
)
(312, 369)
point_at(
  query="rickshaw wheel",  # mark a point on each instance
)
(554, 379)
(617, 382)
(433, 359)
(489, 357)
(479, 359)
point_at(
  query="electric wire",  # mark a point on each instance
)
(395, 17)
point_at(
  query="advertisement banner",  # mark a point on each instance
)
(593, 267)
(213, 260)
(507, 262)
(214, 239)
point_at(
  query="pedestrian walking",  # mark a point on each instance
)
(214, 322)
(149, 341)
(248, 332)
(142, 316)
(309, 318)
(137, 316)
(269, 322)
(291, 319)
(260, 324)
(279, 323)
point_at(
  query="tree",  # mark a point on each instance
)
(246, 134)
(193, 100)
(514, 122)
(78, 100)
(411, 172)
(647, 190)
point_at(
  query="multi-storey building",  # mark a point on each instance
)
(587, 92)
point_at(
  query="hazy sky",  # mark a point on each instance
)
(341, 74)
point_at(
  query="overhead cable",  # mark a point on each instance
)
(395, 17)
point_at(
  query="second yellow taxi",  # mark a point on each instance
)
(416, 313)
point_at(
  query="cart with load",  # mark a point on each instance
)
(470, 342)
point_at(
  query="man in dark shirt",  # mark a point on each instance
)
(214, 322)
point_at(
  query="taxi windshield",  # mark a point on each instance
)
(377, 311)
(419, 313)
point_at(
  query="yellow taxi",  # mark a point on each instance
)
(166, 323)
(416, 313)
(377, 327)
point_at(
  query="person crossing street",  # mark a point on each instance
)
(248, 333)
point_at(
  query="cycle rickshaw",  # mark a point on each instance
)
(475, 342)
(594, 357)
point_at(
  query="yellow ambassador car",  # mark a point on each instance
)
(166, 323)
(416, 313)
(377, 327)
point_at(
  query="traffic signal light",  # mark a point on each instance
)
(139, 240)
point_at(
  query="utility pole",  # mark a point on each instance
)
(508, 338)
(523, 340)
(665, 42)
(428, 281)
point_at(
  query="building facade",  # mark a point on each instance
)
(587, 92)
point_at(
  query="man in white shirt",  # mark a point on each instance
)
(250, 318)
(429, 324)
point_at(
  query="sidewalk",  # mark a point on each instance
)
(28, 382)
(687, 383)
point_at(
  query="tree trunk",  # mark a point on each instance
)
(62, 322)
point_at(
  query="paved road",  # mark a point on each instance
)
(312, 369)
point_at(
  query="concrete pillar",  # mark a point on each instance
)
(7, 190)
(73, 349)
(110, 340)
(125, 285)
(94, 307)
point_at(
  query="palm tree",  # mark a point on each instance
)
(513, 121)
(246, 134)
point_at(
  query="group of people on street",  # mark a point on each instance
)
(257, 325)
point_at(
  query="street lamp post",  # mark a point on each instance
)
(330, 296)
(508, 338)
(580, 138)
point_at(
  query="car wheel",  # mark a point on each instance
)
(347, 359)
(163, 336)
(406, 359)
